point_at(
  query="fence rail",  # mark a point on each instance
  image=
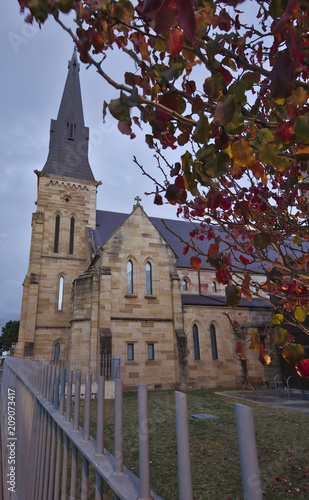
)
(42, 439)
(105, 365)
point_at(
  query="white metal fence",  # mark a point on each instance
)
(41, 439)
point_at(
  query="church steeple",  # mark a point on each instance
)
(68, 147)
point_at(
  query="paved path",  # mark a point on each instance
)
(296, 403)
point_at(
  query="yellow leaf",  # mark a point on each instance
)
(242, 153)
(254, 339)
(300, 314)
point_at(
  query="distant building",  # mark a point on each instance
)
(104, 282)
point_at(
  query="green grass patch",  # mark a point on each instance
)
(282, 442)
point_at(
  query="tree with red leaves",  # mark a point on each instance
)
(228, 82)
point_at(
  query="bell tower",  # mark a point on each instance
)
(66, 211)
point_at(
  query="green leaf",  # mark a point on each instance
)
(267, 152)
(278, 336)
(124, 11)
(176, 68)
(301, 127)
(202, 130)
(293, 353)
(217, 164)
(300, 314)
(261, 240)
(264, 134)
(232, 295)
(213, 85)
(224, 111)
(251, 77)
(277, 319)
(119, 108)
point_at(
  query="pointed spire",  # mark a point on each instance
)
(68, 147)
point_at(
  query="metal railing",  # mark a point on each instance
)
(106, 365)
(41, 442)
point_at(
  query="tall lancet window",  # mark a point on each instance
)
(57, 233)
(71, 244)
(129, 277)
(196, 343)
(60, 293)
(148, 279)
(213, 340)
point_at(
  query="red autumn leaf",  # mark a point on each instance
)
(282, 77)
(213, 249)
(186, 18)
(244, 260)
(294, 48)
(186, 250)
(291, 9)
(224, 20)
(125, 128)
(180, 182)
(195, 263)
(197, 104)
(214, 200)
(245, 286)
(284, 132)
(223, 276)
(264, 357)
(158, 198)
(163, 13)
(172, 194)
(239, 350)
(302, 368)
(226, 203)
(174, 41)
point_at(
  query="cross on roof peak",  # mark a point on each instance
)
(138, 200)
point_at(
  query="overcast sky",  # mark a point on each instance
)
(33, 74)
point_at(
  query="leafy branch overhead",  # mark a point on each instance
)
(226, 82)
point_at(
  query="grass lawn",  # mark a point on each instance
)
(282, 442)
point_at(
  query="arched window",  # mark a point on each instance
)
(213, 340)
(57, 351)
(214, 287)
(148, 279)
(71, 244)
(196, 343)
(129, 277)
(184, 285)
(60, 293)
(57, 232)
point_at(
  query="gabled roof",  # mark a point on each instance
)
(68, 147)
(109, 222)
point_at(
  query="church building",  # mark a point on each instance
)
(102, 282)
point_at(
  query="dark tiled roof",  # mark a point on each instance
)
(219, 301)
(68, 148)
(108, 222)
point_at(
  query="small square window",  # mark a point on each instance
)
(130, 352)
(151, 352)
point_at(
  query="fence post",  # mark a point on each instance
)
(183, 447)
(100, 416)
(248, 453)
(118, 458)
(69, 397)
(143, 443)
(76, 401)
(88, 384)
